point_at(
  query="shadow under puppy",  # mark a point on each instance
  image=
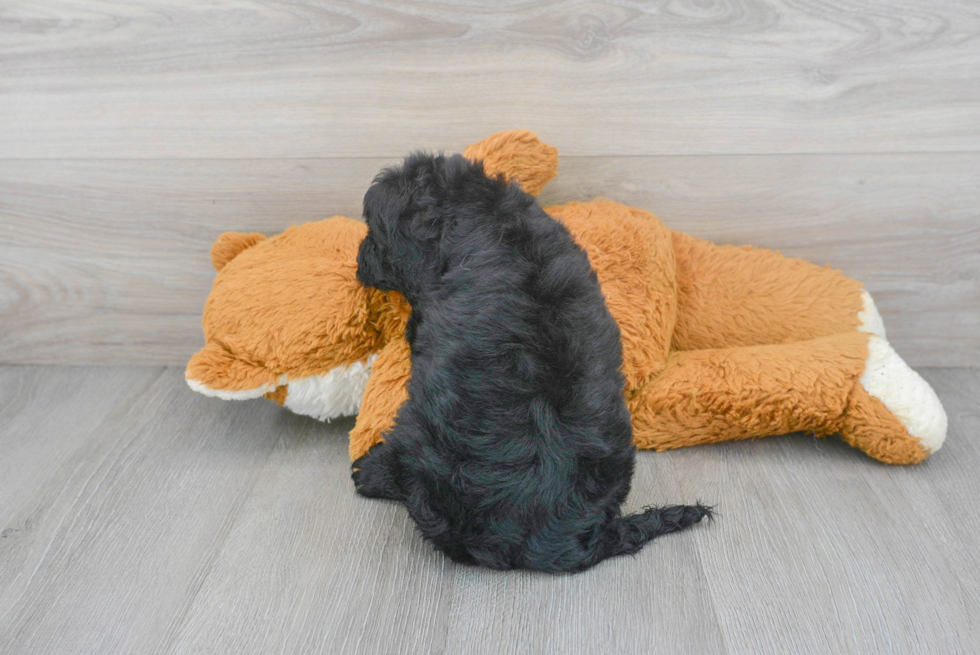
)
(514, 449)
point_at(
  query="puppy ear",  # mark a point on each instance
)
(384, 204)
(408, 220)
(373, 270)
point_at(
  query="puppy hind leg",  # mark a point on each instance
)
(374, 474)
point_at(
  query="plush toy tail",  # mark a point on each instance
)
(628, 534)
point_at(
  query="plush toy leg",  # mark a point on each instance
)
(824, 386)
(386, 390)
(743, 296)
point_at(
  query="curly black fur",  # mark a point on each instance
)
(515, 447)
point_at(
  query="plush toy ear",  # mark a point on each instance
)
(230, 244)
(520, 156)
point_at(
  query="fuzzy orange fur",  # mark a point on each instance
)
(719, 343)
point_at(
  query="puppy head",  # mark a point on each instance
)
(409, 210)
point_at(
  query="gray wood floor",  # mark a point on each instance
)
(139, 517)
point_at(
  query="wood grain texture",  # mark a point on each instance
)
(107, 261)
(841, 554)
(132, 134)
(258, 79)
(115, 538)
(361, 564)
(167, 522)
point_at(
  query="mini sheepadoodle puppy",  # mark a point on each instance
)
(515, 448)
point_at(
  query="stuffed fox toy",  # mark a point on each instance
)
(719, 342)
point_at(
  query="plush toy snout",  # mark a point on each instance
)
(215, 371)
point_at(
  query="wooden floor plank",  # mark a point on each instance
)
(948, 512)
(117, 539)
(107, 261)
(340, 572)
(820, 549)
(35, 441)
(311, 567)
(168, 522)
(365, 78)
(657, 601)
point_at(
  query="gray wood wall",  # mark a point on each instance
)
(133, 133)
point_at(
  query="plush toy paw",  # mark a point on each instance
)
(903, 391)
(869, 320)
(893, 414)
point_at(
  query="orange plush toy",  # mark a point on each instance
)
(719, 342)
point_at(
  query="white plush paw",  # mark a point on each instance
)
(869, 320)
(903, 391)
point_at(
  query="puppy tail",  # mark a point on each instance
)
(628, 534)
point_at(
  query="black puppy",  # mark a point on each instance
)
(515, 448)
